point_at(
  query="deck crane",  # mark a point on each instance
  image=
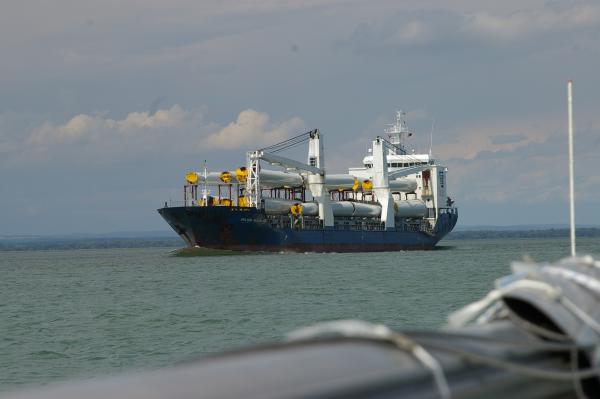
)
(314, 171)
(381, 186)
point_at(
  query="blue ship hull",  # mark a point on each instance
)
(247, 229)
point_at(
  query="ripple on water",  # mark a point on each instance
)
(46, 354)
(84, 313)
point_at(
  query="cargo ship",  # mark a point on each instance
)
(397, 200)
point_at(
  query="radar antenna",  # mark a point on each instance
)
(398, 132)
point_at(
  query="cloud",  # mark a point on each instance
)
(252, 128)
(508, 138)
(452, 28)
(96, 137)
(490, 137)
(526, 23)
(97, 127)
(521, 162)
(482, 69)
(101, 139)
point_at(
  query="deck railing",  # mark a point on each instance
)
(345, 223)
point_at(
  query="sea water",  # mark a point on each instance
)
(81, 313)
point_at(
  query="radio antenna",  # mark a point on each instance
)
(571, 182)
(431, 137)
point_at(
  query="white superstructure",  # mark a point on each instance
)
(411, 176)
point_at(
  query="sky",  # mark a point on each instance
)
(105, 105)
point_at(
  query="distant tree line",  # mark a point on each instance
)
(547, 233)
(88, 243)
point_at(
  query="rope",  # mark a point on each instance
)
(289, 146)
(580, 314)
(282, 145)
(360, 329)
(519, 368)
(472, 311)
(549, 346)
(572, 349)
(537, 330)
(378, 332)
(577, 382)
(590, 283)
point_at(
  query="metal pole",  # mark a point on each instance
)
(571, 179)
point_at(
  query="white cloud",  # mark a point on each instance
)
(97, 127)
(252, 128)
(413, 32)
(492, 137)
(138, 134)
(520, 24)
(523, 161)
(450, 27)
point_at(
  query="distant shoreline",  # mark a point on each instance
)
(41, 243)
(532, 233)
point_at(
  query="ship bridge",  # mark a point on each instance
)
(401, 161)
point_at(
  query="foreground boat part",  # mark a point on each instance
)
(395, 201)
(496, 348)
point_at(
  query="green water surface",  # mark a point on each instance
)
(80, 313)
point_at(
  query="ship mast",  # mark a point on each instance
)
(397, 132)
